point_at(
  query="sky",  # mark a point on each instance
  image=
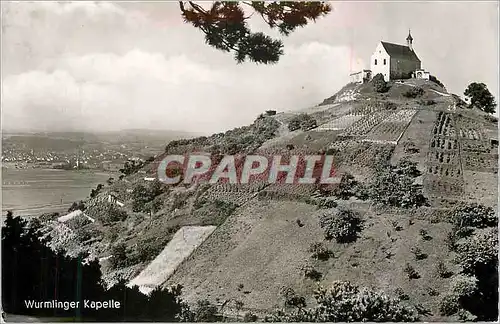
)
(97, 66)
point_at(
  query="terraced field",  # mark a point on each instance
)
(365, 124)
(391, 129)
(339, 123)
(444, 173)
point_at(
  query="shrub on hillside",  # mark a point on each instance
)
(310, 272)
(345, 302)
(250, 317)
(466, 217)
(154, 206)
(399, 292)
(341, 224)
(458, 101)
(491, 119)
(379, 84)
(302, 121)
(349, 187)
(417, 252)
(143, 194)
(456, 234)
(472, 215)
(320, 251)
(466, 316)
(413, 92)
(77, 222)
(206, 312)
(308, 124)
(76, 205)
(131, 167)
(410, 147)
(425, 235)
(326, 203)
(389, 105)
(244, 139)
(411, 272)
(96, 191)
(119, 257)
(140, 197)
(294, 124)
(431, 291)
(394, 186)
(292, 299)
(478, 254)
(148, 249)
(448, 305)
(464, 286)
(48, 217)
(89, 232)
(429, 102)
(443, 271)
(106, 212)
(435, 80)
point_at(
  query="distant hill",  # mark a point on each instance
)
(66, 141)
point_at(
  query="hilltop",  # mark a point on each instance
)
(264, 235)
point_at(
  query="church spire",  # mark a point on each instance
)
(409, 40)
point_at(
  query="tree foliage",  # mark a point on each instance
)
(119, 256)
(76, 206)
(478, 253)
(204, 311)
(226, 28)
(478, 256)
(33, 271)
(143, 196)
(346, 302)
(106, 212)
(472, 215)
(131, 167)
(480, 97)
(96, 191)
(244, 139)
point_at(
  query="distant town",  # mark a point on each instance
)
(27, 152)
(109, 160)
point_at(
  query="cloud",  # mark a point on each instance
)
(36, 32)
(149, 90)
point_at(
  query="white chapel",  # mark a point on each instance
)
(393, 61)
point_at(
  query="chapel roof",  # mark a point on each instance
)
(400, 51)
